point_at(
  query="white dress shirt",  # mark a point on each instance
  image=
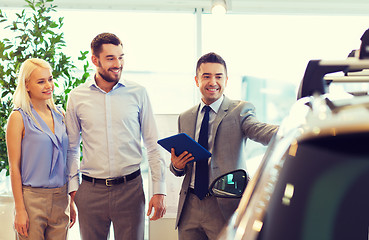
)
(112, 126)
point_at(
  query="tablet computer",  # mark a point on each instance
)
(182, 142)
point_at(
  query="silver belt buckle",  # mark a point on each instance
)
(107, 182)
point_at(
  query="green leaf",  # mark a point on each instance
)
(53, 24)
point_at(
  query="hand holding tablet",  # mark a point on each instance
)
(182, 142)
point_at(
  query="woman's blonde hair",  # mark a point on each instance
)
(21, 97)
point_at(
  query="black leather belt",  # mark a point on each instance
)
(191, 190)
(112, 181)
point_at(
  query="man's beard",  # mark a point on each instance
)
(104, 74)
(107, 78)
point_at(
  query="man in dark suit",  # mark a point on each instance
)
(229, 123)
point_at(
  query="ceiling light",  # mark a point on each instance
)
(218, 6)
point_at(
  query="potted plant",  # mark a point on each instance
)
(36, 34)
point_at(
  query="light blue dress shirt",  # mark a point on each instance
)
(112, 126)
(44, 153)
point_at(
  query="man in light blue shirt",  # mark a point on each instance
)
(112, 115)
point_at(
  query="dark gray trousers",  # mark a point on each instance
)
(200, 219)
(123, 205)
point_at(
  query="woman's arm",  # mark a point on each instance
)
(73, 212)
(14, 135)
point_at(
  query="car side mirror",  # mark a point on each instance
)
(229, 185)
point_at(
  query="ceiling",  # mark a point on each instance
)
(315, 7)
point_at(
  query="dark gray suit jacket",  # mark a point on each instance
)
(233, 125)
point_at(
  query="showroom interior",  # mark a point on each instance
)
(266, 44)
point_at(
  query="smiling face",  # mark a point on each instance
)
(109, 62)
(40, 85)
(211, 79)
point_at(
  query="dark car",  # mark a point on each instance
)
(313, 182)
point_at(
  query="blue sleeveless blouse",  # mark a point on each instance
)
(44, 154)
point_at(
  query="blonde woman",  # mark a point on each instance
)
(37, 148)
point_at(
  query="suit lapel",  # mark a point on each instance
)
(188, 125)
(223, 110)
(189, 122)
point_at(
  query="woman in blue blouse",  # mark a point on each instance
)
(37, 148)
